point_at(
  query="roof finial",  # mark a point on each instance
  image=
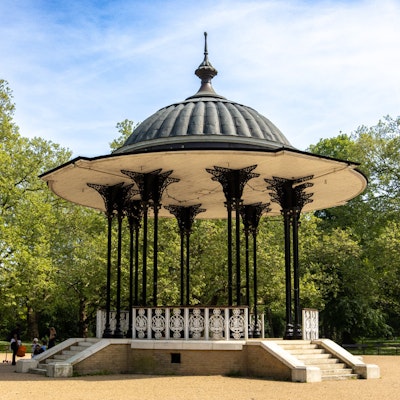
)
(205, 47)
(206, 71)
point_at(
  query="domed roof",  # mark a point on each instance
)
(205, 121)
(201, 144)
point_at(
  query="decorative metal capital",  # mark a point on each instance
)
(290, 193)
(185, 216)
(251, 215)
(233, 180)
(114, 196)
(151, 185)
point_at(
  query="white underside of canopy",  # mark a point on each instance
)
(334, 182)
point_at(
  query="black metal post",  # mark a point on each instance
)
(144, 256)
(230, 266)
(185, 216)
(113, 197)
(296, 278)
(291, 195)
(182, 267)
(251, 215)
(237, 248)
(107, 330)
(247, 257)
(133, 210)
(288, 275)
(130, 302)
(256, 331)
(118, 332)
(137, 227)
(151, 187)
(187, 268)
(233, 182)
(155, 256)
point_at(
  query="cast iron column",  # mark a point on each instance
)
(151, 187)
(134, 211)
(291, 195)
(110, 198)
(296, 277)
(118, 332)
(233, 182)
(185, 217)
(288, 274)
(251, 215)
(107, 329)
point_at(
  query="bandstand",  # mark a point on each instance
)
(212, 158)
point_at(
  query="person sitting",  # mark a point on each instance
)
(36, 348)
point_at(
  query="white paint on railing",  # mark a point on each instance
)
(310, 318)
(188, 323)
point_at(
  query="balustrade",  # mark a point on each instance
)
(186, 323)
(310, 324)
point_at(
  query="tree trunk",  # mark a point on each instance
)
(33, 324)
(83, 327)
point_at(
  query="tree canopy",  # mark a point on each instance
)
(53, 253)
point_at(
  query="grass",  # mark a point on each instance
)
(374, 347)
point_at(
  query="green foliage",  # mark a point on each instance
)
(37, 237)
(125, 128)
(53, 253)
(365, 305)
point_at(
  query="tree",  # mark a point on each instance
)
(385, 256)
(368, 219)
(125, 128)
(376, 148)
(25, 215)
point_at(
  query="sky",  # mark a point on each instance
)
(314, 68)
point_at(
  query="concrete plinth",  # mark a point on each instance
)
(306, 374)
(59, 370)
(368, 371)
(25, 365)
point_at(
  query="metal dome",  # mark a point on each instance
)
(191, 138)
(205, 121)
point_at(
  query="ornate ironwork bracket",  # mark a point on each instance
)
(251, 215)
(151, 184)
(233, 180)
(290, 193)
(185, 215)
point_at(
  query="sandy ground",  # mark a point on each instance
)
(15, 386)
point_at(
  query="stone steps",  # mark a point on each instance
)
(62, 356)
(38, 371)
(312, 355)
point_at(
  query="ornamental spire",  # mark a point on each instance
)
(206, 72)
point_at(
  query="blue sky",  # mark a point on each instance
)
(314, 68)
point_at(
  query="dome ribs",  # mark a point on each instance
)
(196, 124)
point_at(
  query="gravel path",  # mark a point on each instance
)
(15, 386)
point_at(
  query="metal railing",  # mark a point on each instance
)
(186, 323)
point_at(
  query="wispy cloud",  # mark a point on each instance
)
(313, 67)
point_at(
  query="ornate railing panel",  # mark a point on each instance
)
(190, 323)
(310, 324)
(101, 322)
